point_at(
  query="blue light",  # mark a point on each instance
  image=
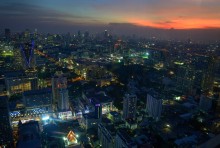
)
(45, 118)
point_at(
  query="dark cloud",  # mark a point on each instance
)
(20, 16)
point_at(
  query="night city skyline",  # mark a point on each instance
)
(110, 74)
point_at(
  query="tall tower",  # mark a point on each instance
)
(27, 54)
(154, 104)
(60, 92)
(129, 106)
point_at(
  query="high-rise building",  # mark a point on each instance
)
(60, 92)
(154, 104)
(129, 106)
(5, 125)
(123, 140)
(27, 54)
(184, 78)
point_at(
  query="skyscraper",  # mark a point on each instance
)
(60, 92)
(5, 126)
(154, 104)
(129, 106)
(27, 53)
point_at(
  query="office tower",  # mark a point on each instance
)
(5, 125)
(154, 104)
(18, 82)
(205, 103)
(184, 78)
(60, 92)
(106, 139)
(129, 106)
(123, 140)
(27, 54)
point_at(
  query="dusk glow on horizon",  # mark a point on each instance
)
(184, 14)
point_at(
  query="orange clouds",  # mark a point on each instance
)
(179, 23)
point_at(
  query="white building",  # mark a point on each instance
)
(154, 104)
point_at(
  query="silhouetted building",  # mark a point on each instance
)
(5, 124)
(29, 135)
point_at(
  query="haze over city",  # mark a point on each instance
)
(144, 17)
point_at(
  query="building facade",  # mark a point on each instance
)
(105, 138)
(129, 106)
(154, 104)
(38, 99)
(60, 92)
(18, 82)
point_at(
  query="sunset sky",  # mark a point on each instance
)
(178, 14)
